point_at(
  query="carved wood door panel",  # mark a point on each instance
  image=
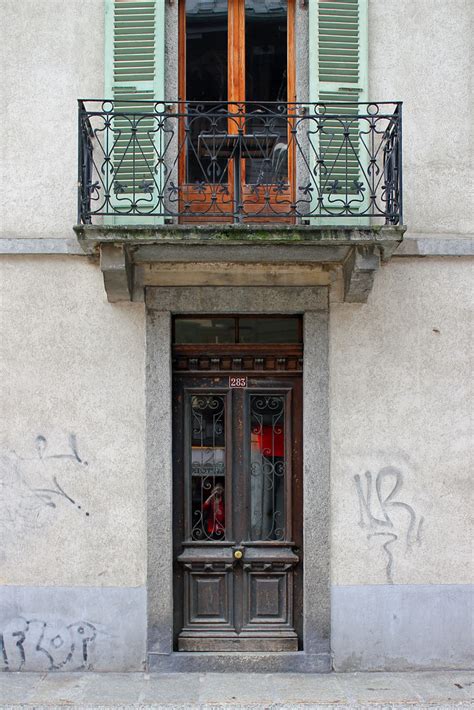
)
(237, 504)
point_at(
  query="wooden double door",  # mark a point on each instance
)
(237, 511)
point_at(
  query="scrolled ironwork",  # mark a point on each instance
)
(207, 467)
(267, 467)
(238, 162)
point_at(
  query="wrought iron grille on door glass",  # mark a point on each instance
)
(268, 467)
(208, 467)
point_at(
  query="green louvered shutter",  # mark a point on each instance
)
(338, 72)
(134, 73)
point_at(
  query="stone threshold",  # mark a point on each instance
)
(228, 662)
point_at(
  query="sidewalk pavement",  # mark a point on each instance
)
(236, 691)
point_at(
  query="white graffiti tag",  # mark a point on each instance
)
(31, 487)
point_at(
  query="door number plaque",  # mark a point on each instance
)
(237, 381)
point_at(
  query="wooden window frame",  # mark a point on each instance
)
(236, 92)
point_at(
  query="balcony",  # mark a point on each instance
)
(324, 175)
(293, 163)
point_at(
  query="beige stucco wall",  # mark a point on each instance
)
(421, 52)
(402, 398)
(73, 502)
(51, 54)
(71, 364)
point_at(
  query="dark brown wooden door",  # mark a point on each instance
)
(237, 503)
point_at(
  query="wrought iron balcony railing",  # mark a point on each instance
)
(246, 162)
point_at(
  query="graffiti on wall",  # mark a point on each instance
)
(40, 645)
(385, 516)
(31, 487)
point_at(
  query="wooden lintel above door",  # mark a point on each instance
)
(231, 274)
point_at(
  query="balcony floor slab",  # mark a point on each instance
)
(128, 252)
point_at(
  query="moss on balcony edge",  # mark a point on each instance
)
(91, 236)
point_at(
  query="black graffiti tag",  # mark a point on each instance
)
(32, 642)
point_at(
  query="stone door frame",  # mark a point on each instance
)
(161, 304)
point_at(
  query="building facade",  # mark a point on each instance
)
(236, 374)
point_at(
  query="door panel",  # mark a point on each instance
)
(237, 547)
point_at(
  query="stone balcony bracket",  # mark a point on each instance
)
(135, 257)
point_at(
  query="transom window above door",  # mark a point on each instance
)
(237, 329)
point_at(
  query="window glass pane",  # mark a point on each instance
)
(265, 81)
(206, 80)
(207, 467)
(204, 330)
(206, 50)
(269, 330)
(265, 48)
(267, 468)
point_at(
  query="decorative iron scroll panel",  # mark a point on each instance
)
(208, 436)
(237, 504)
(268, 466)
(347, 161)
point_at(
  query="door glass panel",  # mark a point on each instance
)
(267, 467)
(266, 53)
(206, 80)
(208, 467)
(269, 330)
(266, 81)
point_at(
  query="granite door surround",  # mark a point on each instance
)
(311, 302)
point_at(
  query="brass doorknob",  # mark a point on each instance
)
(238, 554)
